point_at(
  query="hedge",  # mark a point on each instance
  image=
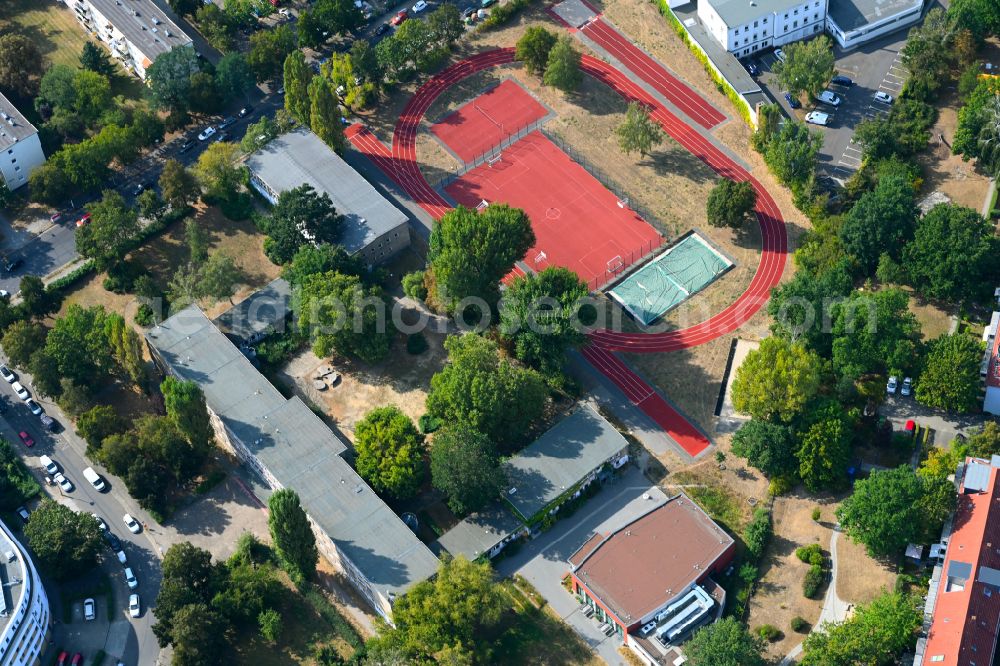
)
(742, 106)
(813, 581)
(501, 14)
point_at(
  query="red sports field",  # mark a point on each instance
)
(481, 124)
(578, 223)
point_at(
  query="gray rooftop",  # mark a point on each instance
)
(739, 12)
(144, 24)
(12, 575)
(301, 157)
(853, 14)
(298, 449)
(481, 531)
(258, 312)
(977, 477)
(560, 459)
(14, 127)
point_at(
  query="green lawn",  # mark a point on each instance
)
(48, 23)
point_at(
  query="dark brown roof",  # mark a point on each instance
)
(653, 559)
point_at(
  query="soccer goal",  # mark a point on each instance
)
(540, 257)
(482, 205)
(494, 159)
(615, 264)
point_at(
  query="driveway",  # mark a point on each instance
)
(543, 561)
(899, 409)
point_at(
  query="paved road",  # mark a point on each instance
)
(132, 639)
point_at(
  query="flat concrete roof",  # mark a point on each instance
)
(298, 449)
(478, 533)
(144, 24)
(14, 126)
(853, 14)
(258, 312)
(300, 157)
(739, 12)
(560, 459)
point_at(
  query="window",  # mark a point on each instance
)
(13, 160)
(796, 12)
(795, 24)
(937, 657)
(786, 15)
(17, 168)
(765, 20)
(755, 23)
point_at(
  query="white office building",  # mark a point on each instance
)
(21, 150)
(745, 27)
(854, 22)
(24, 607)
(135, 31)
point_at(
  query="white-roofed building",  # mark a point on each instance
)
(21, 150)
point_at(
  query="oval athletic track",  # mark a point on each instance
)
(401, 164)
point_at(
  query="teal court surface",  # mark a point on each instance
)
(679, 272)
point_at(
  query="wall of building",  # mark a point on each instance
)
(19, 160)
(883, 26)
(386, 245)
(593, 600)
(768, 29)
(23, 640)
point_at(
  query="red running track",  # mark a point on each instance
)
(650, 71)
(402, 166)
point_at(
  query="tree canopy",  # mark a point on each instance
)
(96, 59)
(533, 48)
(293, 538)
(801, 307)
(775, 381)
(268, 50)
(877, 633)
(169, 79)
(950, 378)
(217, 170)
(178, 185)
(730, 203)
(824, 450)
(769, 447)
(875, 332)
(21, 64)
(808, 66)
(724, 643)
(639, 132)
(296, 81)
(339, 314)
(563, 68)
(881, 222)
(64, 543)
(390, 452)
(301, 215)
(113, 228)
(465, 467)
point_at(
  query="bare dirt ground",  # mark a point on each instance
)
(961, 181)
(861, 578)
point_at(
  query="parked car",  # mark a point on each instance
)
(77, 660)
(49, 423)
(792, 101)
(779, 54)
(26, 438)
(120, 554)
(61, 659)
(130, 578)
(133, 605)
(83, 221)
(226, 122)
(33, 406)
(89, 609)
(100, 522)
(63, 482)
(56, 218)
(281, 90)
(49, 465)
(400, 17)
(6, 373)
(23, 513)
(206, 133)
(245, 111)
(883, 97)
(419, 7)
(113, 541)
(220, 137)
(468, 12)
(829, 97)
(486, 3)
(186, 146)
(752, 68)
(10, 263)
(817, 118)
(890, 387)
(907, 387)
(21, 392)
(132, 524)
(284, 12)
(94, 478)
(842, 80)
(382, 29)
(140, 188)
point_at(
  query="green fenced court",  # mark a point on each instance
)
(669, 279)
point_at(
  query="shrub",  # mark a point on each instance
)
(799, 624)
(813, 581)
(769, 632)
(817, 514)
(144, 315)
(428, 423)
(758, 531)
(780, 485)
(805, 553)
(413, 285)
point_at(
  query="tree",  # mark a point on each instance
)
(49, 184)
(792, 153)
(825, 449)
(268, 50)
(484, 391)
(950, 379)
(775, 381)
(151, 206)
(312, 259)
(539, 314)
(65, 543)
(885, 512)
(341, 315)
(113, 228)
(184, 288)
(96, 59)
(533, 48)
(769, 447)
(270, 625)
(74, 398)
(639, 132)
(36, 299)
(21, 64)
(294, 540)
(233, 75)
(218, 172)
(877, 633)
(78, 343)
(390, 452)
(801, 307)
(126, 350)
(881, 221)
(219, 277)
(953, 254)
(179, 186)
(218, 27)
(300, 213)
(184, 7)
(447, 614)
(324, 114)
(197, 241)
(471, 251)
(928, 49)
(730, 203)
(758, 531)
(724, 643)
(807, 67)
(980, 17)
(986, 442)
(185, 404)
(563, 68)
(198, 636)
(364, 62)
(45, 374)
(169, 79)
(21, 340)
(97, 424)
(297, 77)
(446, 25)
(465, 466)
(188, 578)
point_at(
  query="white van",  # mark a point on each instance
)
(94, 478)
(48, 465)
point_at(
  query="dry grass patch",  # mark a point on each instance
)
(49, 24)
(861, 578)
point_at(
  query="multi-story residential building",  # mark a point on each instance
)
(24, 607)
(745, 27)
(136, 31)
(21, 150)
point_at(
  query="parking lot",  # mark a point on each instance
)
(874, 67)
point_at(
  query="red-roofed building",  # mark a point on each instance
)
(964, 598)
(649, 580)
